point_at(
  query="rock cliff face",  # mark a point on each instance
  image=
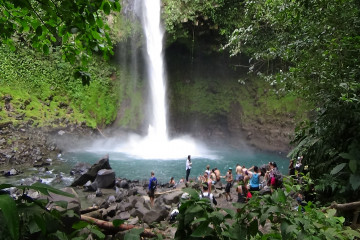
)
(231, 130)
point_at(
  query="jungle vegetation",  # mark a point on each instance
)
(307, 47)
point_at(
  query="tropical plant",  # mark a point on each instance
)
(79, 27)
(275, 216)
(24, 217)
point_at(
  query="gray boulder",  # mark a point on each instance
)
(105, 178)
(91, 174)
(157, 214)
(172, 198)
(123, 184)
(139, 212)
(124, 215)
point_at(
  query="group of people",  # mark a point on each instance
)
(248, 180)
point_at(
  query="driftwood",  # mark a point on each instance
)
(353, 206)
(110, 227)
(89, 209)
(170, 191)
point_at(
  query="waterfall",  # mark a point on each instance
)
(156, 144)
(151, 19)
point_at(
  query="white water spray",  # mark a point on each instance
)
(154, 46)
(156, 145)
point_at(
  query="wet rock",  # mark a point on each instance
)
(79, 169)
(12, 172)
(90, 187)
(98, 193)
(39, 163)
(91, 174)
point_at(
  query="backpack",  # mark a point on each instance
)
(208, 197)
(153, 184)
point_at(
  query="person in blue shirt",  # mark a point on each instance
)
(152, 188)
(254, 178)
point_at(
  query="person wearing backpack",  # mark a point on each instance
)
(152, 188)
(206, 194)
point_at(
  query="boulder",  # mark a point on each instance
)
(173, 197)
(73, 202)
(12, 172)
(125, 206)
(91, 174)
(139, 212)
(123, 184)
(105, 178)
(124, 215)
(157, 214)
(133, 221)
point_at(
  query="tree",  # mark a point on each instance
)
(77, 27)
(312, 47)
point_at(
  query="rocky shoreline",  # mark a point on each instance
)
(99, 194)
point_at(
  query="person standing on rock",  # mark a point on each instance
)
(188, 167)
(152, 188)
(229, 180)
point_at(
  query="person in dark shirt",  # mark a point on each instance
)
(152, 188)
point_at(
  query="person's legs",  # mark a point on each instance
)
(152, 196)
(227, 191)
(187, 175)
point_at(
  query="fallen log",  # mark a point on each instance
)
(109, 226)
(89, 209)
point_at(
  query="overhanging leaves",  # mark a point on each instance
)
(338, 168)
(10, 214)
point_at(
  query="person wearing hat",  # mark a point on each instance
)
(229, 179)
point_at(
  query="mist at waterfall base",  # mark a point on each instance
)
(128, 163)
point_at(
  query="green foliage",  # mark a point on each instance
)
(312, 48)
(26, 217)
(78, 27)
(279, 212)
(47, 82)
(183, 18)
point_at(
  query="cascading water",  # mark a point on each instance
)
(154, 46)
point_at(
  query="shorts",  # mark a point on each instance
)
(227, 188)
(239, 177)
(151, 193)
(254, 188)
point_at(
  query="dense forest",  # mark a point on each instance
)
(252, 61)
